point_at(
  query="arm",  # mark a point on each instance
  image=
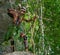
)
(30, 19)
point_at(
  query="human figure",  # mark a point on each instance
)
(17, 20)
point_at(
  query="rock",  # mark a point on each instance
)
(19, 53)
(1, 53)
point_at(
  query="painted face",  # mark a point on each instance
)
(23, 10)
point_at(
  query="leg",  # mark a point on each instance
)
(12, 45)
(25, 41)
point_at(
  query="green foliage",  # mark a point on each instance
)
(51, 19)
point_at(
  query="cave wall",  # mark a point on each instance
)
(5, 20)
